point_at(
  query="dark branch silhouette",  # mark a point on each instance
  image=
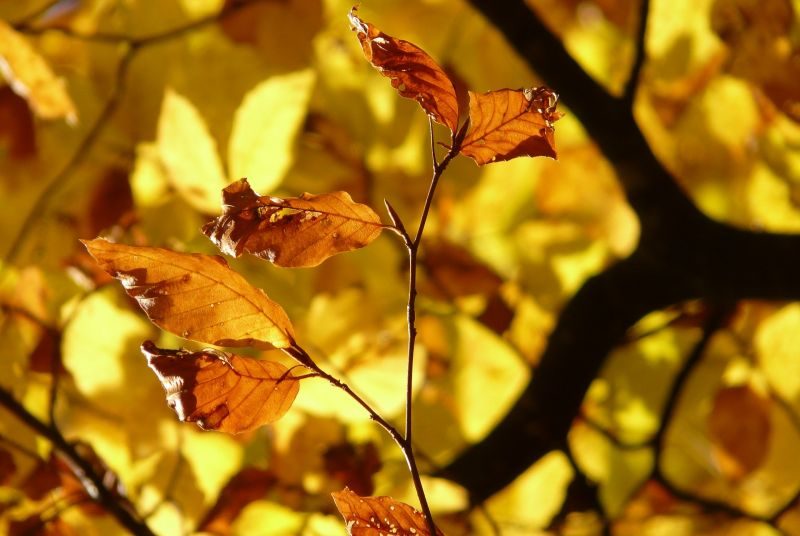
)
(682, 255)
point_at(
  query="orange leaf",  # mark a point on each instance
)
(379, 516)
(739, 426)
(292, 232)
(413, 72)
(224, 392)
(195, 296)
(508, 123)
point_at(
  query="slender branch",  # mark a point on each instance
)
(639, 51)
(82, 470)
(123, 38)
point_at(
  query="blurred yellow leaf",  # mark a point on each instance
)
(189, 153)
(266, 124)
(531, 501)
(488, 377)
(31, 77)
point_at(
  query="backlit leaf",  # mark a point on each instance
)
(31, 77)
(508, 123)
(291, 232)
(412, 71)
(379, 516)
(195, 296)
(224, 392)
(189, 152)
(265, 127)
(739, 426)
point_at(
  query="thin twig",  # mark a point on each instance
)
(82, 470)
(639, 51)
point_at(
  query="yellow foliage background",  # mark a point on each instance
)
(125, 118)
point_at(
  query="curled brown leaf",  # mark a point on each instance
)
(224, 392)
(508, 123)
(291, 232)
(412, 71)
(378, 516)
(195, 296)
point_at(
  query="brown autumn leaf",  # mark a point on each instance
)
(17, 130)
(292, 232)
(508, 123)
(739, 427)
(248, 485)
(40, 524)
(353, 465)
(412, 71)
(7, 467)
(195, 296)
(379, 516)
(224, 392)
(454, 272)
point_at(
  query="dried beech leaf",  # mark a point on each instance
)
(224, 392)
(30, 77)
(739, 426)
(412, 71)
(195, 296)
(508, 123)
(379, 516)
(292, 232)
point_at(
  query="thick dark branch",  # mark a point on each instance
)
(539, 421)
(682, 255)
(81, 468)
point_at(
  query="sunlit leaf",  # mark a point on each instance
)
(224, 392)
(291, 232)
(412, 71)
(379, 516)
(195, 296)
(265, 127)
(31, 77)
(508, 123)
(739, 426)
(189, 152)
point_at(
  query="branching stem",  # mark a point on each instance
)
(82, 470)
